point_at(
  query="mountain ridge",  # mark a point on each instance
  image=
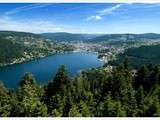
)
(73, 37)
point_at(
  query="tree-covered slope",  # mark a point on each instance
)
(10, 50)
(140, 56)
(98, 38)
(16, 47)
(69, 37)
(126, 37)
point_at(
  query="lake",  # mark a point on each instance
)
(44, 69)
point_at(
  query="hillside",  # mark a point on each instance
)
(126, 37)
(69, 37)
(16, 47)
(140, 56)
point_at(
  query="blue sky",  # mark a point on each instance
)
(81, 17)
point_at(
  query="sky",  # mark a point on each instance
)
(105, 18)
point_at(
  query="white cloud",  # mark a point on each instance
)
(96, 17)
(25, 8)
(103, 12)
(10, 24)
(37, 26)
(109, 10)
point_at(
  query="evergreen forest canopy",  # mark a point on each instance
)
(139, 56)
(96, 92)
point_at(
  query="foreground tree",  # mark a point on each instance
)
(59, 83)
(96, 92)
(5, 100)
(74, 111)
(30, 98)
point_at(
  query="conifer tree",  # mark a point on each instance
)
(74, 111)
(30, 98)
(59, 83)
(5, 107)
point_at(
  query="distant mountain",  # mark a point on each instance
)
(69, 37)
(18, 34)
(125, 37)
(72, 37)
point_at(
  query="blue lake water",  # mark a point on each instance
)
(44, 69)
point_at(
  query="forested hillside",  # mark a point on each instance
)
(69, 37)
(10, 50)
(96, 92)
(99, 38)
(126, 37)
(16, 47)
(139, 56)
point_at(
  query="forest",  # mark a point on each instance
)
(139, 55)
(18, 47)
(121, 92)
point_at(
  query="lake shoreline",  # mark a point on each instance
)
(41, 57)
(32, 59)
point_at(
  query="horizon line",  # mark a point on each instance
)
(76, 32)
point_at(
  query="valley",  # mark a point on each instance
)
(99, 79)
(81, 59)
(18, 47)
